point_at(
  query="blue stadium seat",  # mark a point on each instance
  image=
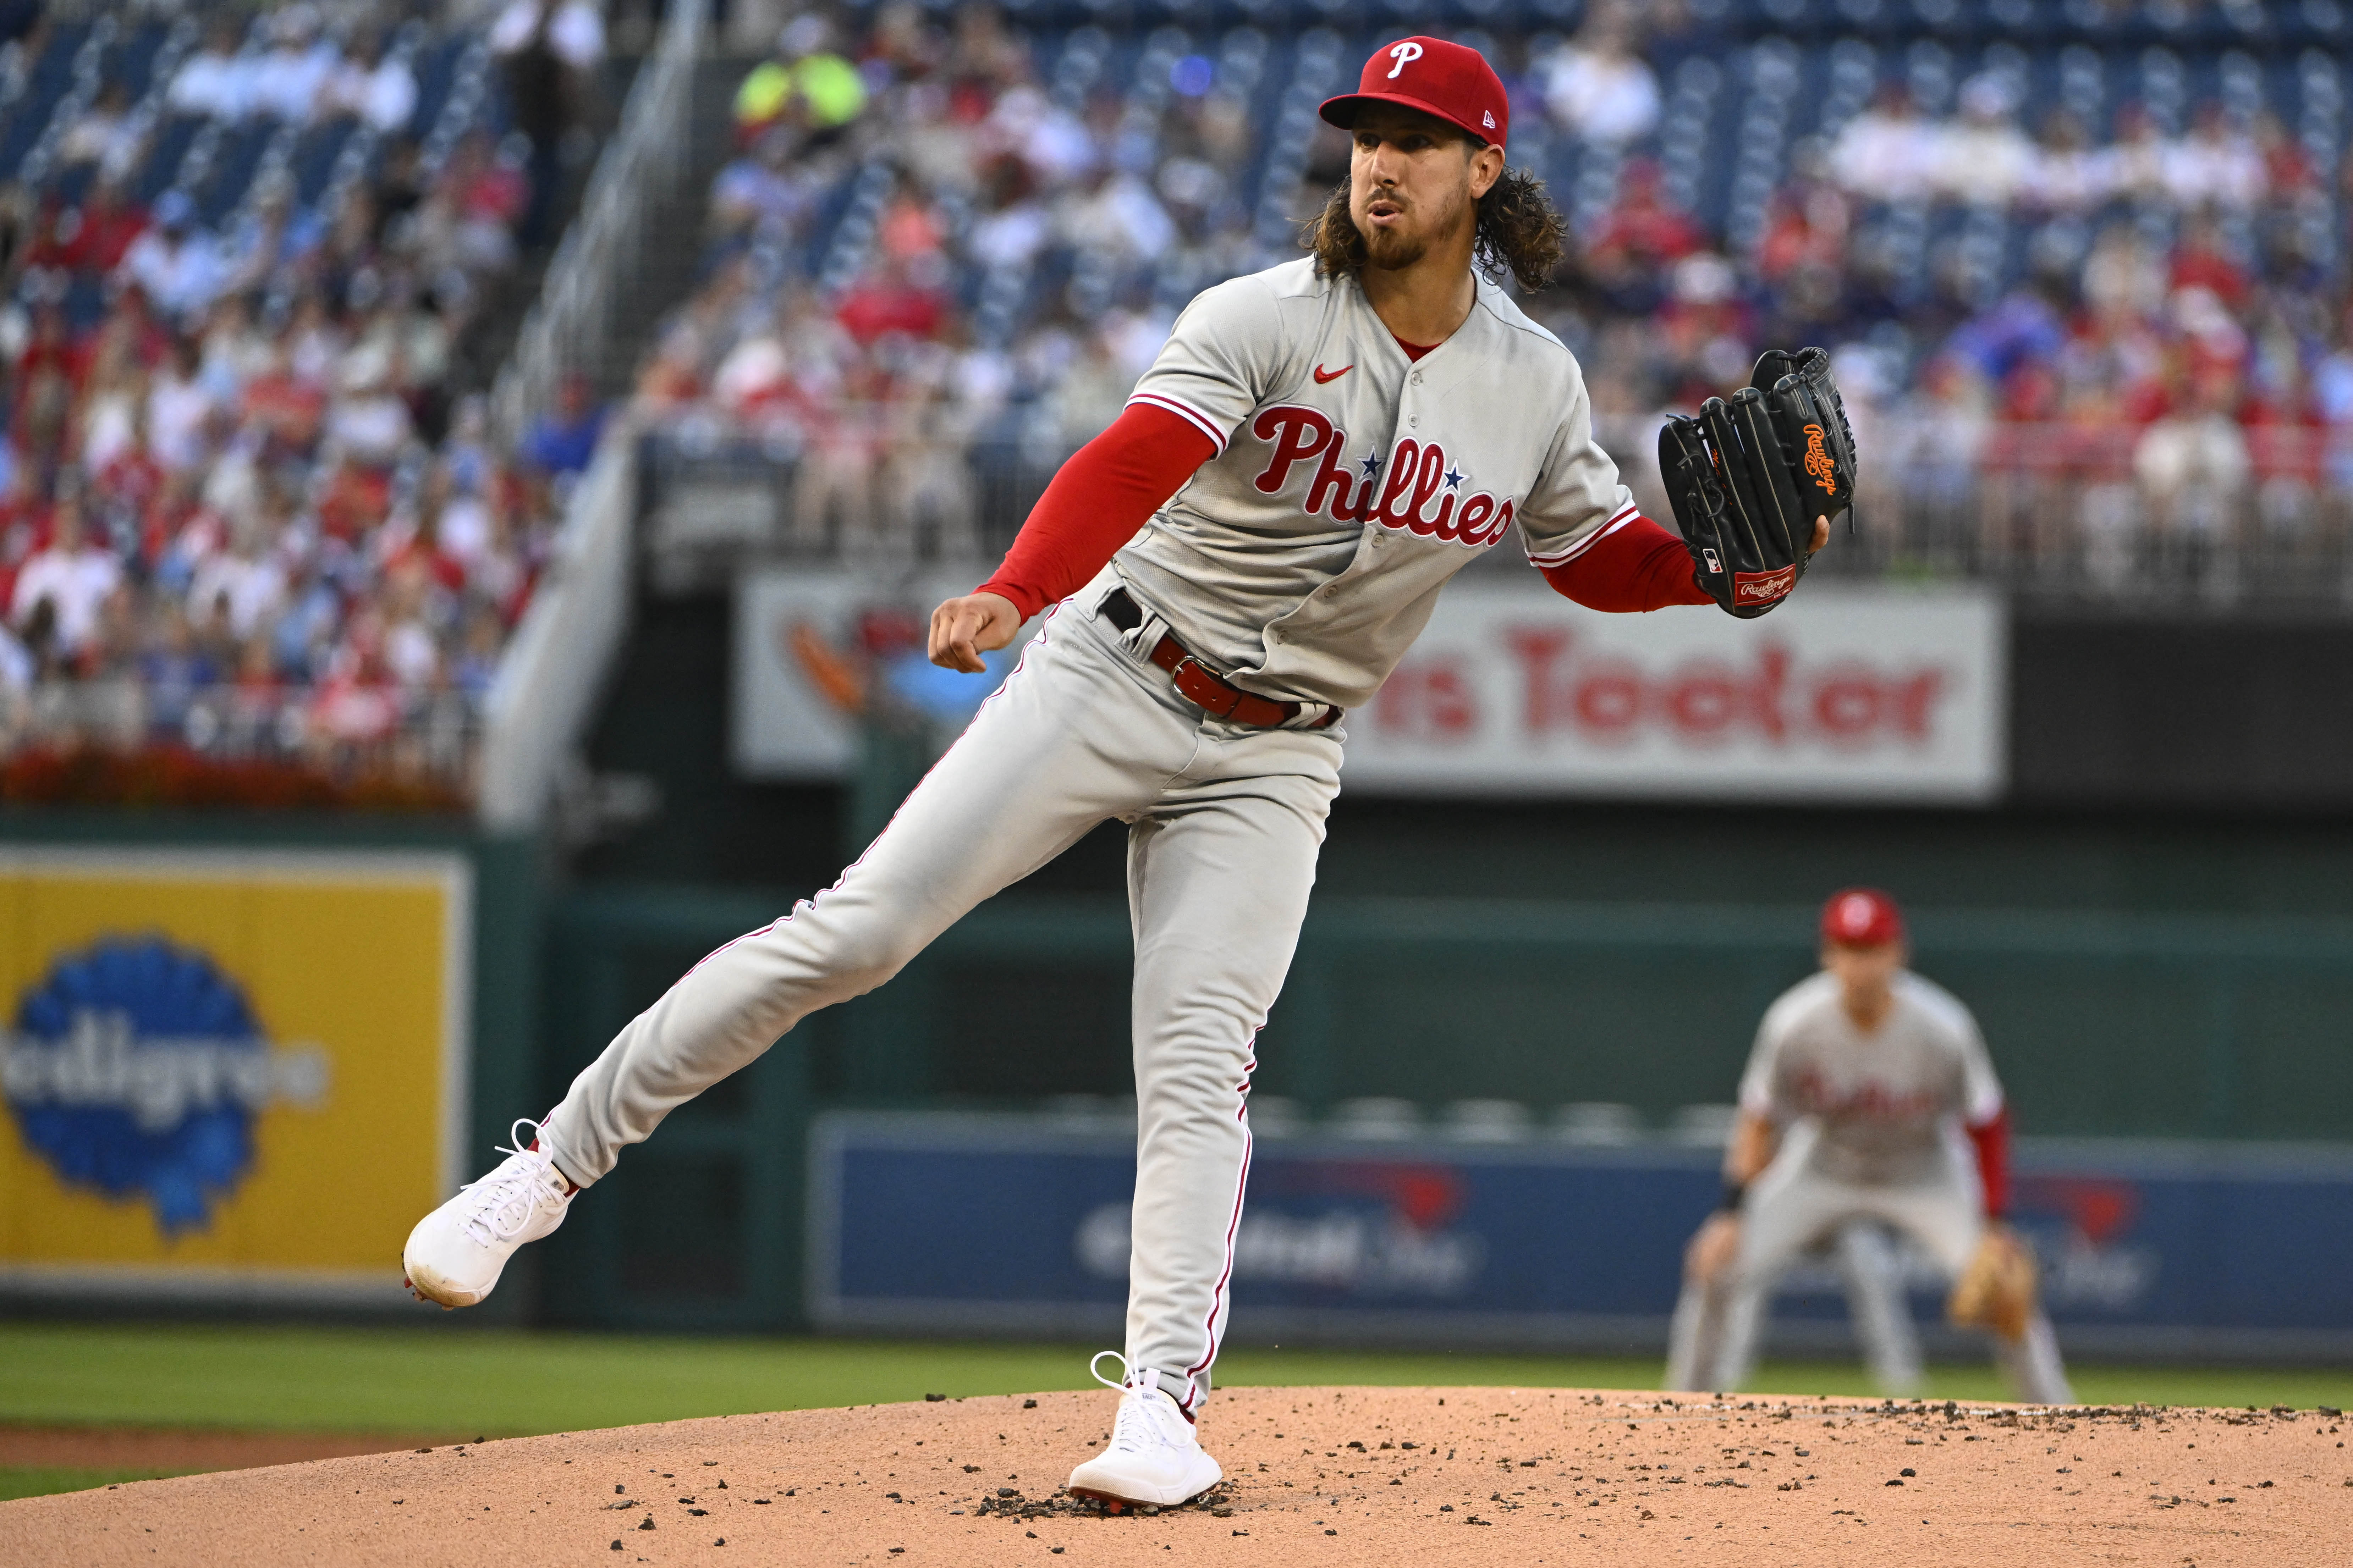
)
(436, 69)
(132, 59)
(314, 157)
(232, 169)
(171, 139)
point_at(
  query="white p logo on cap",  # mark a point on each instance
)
(1405, 54)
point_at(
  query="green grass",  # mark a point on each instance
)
(40, 1480)
(454, 1384)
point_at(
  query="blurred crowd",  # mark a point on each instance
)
(246, 503)
(1014, 253)
(2158, 324)
(931, 241)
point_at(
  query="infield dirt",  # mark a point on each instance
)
(1427, 1476)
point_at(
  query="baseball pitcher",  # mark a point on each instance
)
(1239, 559)
(1869, 1097)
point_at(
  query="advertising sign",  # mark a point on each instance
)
(1843, 693)
(935, 1222)
(235, 1074)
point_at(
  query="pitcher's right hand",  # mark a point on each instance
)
(962, 629)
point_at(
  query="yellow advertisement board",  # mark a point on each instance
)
(227, 1073)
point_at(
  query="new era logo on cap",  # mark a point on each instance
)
(1454, 83)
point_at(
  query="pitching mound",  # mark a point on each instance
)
(1315, 1475)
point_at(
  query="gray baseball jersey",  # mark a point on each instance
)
(1888, 1103)
(1350, 482)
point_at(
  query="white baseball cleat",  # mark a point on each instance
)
(456, 1253)
(1154, 1455)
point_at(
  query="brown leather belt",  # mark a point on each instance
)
(1204, 687)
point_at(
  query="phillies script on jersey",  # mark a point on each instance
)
(1415, 489)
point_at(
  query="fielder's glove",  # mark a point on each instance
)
(1748, 478)
(1996, 1290)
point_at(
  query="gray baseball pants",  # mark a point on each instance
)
(1225, 823)
(1790, 1206)
(1873, 1275)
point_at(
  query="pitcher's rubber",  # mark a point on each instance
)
(1425, 1476)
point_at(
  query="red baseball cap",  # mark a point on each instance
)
(1861, 916)
(1437, 77)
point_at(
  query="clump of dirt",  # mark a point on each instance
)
(1008, 1503)
(1432, 1477)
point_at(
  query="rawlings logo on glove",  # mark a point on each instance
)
(1763, 587)
(1748, 477)
(1818, 461)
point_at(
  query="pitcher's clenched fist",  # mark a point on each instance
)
(962, 629)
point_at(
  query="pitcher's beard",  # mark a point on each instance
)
(1391, 251)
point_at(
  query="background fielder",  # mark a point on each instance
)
(1869, 1097)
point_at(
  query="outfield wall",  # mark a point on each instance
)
(2104, 1026)
(952, 1223)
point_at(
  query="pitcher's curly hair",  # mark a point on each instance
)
(1519, 232)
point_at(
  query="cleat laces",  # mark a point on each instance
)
(1122, 1383)
(505, 1200)
(1135, 1429)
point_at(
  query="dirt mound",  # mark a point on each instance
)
(1430, 1476)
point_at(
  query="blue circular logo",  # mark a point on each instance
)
(136, 1067)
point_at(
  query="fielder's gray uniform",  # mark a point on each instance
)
(1300, 561)
(1871, 1130)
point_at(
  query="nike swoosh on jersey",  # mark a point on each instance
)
(1322, 375)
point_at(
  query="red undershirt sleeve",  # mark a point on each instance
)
(1992, 1141)
(1633, 566)
(1109, 488)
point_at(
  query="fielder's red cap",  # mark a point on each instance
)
(1437, 77)
(1861, 916)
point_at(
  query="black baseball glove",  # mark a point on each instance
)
(1748, 477)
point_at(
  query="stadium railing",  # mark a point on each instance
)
(548, 681)
(570, 324)
(2120, 512)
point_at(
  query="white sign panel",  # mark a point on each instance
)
(815, 650)
(1843, 693)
